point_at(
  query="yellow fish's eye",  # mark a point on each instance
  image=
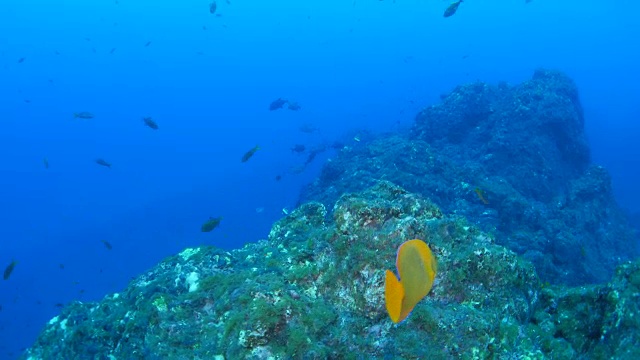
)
(417, 269)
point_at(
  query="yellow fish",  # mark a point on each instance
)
(417, 269)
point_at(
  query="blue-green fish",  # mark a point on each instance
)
(83, 115)
(9, 269)
(211, 224)
(452, 8)
(250, 153)
(148, 121)
(103, 162)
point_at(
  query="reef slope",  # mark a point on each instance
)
(314, 290)
(511, 159)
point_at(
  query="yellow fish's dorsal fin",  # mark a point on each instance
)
(393, 295)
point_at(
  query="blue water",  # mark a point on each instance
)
(208, 80)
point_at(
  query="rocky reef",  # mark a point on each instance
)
(512, 160)
(314, 290)
(496, 179)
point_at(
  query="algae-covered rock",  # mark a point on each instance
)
(599, 320)
(514, 161)
(314, 290)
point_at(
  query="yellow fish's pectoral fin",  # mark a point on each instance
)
(393, 296)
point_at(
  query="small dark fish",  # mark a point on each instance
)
(298, 148)
(278, 177)
(106, 244)
(277, 104)
(83, 115)
(0, 307)
(250, 153)
(61, 266)
(452, 8)
(103, 162)
(211, 224)
(112, 51)
(58, 305)
(212, 7)
(21, 60)
(45, 162)
(312, 155)
(9, 269)
(148, 43)
(150, 123)
(294, 106)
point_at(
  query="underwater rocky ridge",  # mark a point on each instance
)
(535, 259)
(523, 148)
